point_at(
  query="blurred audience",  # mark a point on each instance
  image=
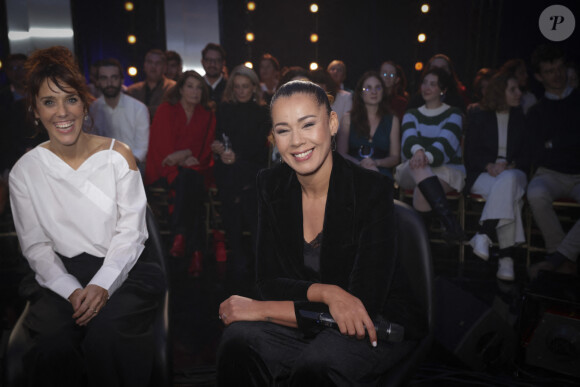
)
(269, 70)
(395, 83)
(369, 134)
(480, 83)
(518, 67)
(337, 70)
(174, 65)
(494, 137)
(213, 60)
(153, 88)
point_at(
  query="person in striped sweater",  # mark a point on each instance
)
(431, 153)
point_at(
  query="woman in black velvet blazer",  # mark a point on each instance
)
(496, 168)
(349, 269)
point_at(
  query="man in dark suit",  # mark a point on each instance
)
(213, 59)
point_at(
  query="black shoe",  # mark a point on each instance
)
(433, 192)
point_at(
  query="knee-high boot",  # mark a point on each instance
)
(433, 192)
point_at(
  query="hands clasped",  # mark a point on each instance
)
(87, 303)
(180, 157)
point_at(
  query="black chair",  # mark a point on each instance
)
(162, 371)
(415, 255)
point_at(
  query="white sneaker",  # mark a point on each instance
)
(480, 244)
(505, 269)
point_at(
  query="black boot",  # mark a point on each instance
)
(427, 217)
(433, 192)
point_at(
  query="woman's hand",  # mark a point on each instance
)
(228, 157)
(218, 147)
(190, 162)
(349, 313)
(87, 303)
(238, 308)
(369, 163)
(176, 158)
(494, 169)
(419, 160)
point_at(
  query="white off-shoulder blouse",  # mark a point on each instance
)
(97, 209)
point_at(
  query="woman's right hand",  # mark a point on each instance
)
(419, 160)
(349, 313)
(238, 308)
(218, 147)
(228, 157)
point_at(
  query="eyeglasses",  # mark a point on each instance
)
(389, 75)
(369, 89)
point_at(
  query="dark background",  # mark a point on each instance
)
(363, 33)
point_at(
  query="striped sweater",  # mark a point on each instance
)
(439, 135)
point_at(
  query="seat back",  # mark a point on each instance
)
(414, 253)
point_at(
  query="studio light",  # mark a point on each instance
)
(251, 6)
(313, 66)
(419, 66)
(421, 38)
(250, 36)
(314, 38)
(129, 6)
(132, 39)
(132, 71)
(313, 7)
(249, 65)
(425, 8)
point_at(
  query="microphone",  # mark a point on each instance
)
(386, 330)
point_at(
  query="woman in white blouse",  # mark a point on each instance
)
(79, 210)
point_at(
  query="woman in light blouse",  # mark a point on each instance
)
(79, 212)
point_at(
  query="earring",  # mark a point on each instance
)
(442, 94)
(86, 117)
(36, 121)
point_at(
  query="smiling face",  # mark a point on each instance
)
(243, 88)
(512, 93)
(191, 91)
(302, 131)
(61, 112)
(430, 90)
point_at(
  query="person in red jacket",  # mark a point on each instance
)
(180, 158)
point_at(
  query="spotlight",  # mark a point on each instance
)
(129, 6)
(132, 71)
(250, 36)
(251, 6)
(314, 38)
(132, 39)
(421, 38)
(1, 65)
(313, 66)
(249, 65)
(425, 8)
(419, 66)
(313, 7)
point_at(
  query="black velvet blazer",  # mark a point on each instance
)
(481, 141)
(358, 247)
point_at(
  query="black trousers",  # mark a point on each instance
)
(116, 348)
(187, 217)
(267, 354)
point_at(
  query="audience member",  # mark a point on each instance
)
(456, 94)
(269, 70)
(17, 134)
(294, 73)
(370, 134)
(431, 152)
(480, 83)
(326, 243)
(494, 138)
(518, 67)
(180, 157)
(92, 85)
(395, 83)
(118, 115)
(552, 128)
(153, 88)
(337, 70)
(174, 65)
(341, 101)
(243, 124)
(79, 211)
(213, 60)
(572, 73)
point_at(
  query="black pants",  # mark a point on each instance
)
(187, 217)
(267, 354)
(116, 348)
